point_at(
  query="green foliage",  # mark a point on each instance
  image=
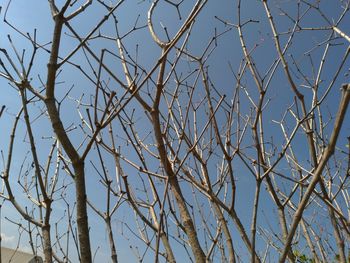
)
(302, 258)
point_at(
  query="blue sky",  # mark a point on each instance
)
(27, 15)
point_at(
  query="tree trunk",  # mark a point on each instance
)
(175, 188)
(47, 243)
(78, 164)
(111, 240)
(82, 218)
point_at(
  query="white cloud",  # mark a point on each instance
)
(7, 240)
(27, 249)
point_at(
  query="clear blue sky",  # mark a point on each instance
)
(27, 15)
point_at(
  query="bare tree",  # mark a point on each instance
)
(191, 132)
